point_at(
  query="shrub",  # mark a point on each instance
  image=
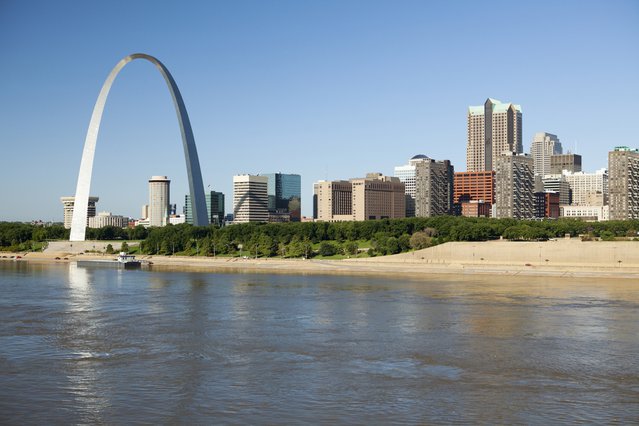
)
(327, 248)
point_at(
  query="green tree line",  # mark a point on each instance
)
(386, 236)
(305, 239)
(17, 236)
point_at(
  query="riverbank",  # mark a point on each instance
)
(561, 258)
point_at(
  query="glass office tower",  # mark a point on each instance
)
(214, 207)
(284, 197)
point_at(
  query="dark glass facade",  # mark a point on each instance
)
(284, 196)
(214, 207)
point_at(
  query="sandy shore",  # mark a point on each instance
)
(413, 264)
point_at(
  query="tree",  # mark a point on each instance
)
(327, 248)
(350, 248)
(109, 249)
(392, 245)
(125, 247)
(420, 240)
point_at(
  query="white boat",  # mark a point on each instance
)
(128, 261)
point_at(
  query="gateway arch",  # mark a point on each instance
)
(196, 187)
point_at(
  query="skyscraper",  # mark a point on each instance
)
(159, 199)
(544, 145)
(284, 196)
(214, 207)
(514, 183)
(493, 128)
(623, 180)
(250, 198)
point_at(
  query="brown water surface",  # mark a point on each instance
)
(81, 345)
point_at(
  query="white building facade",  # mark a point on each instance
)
(69, 203)
(588, 213)
(103, 219)
(585, 186)
(544, 145)
(250, 198)
(159, 200)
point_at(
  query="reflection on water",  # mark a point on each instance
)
(81, 345)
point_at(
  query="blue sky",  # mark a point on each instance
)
(329, 90)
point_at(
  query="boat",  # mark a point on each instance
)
(128, 261)
(123, 261)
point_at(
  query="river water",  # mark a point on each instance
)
(82, 345)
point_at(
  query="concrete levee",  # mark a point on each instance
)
(74, 247)
(562, 253)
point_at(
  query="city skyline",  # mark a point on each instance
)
(337, 90)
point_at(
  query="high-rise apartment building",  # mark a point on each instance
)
(250, 199)
(373, 197)
(544, 145)
(428, 185)
(588, 188)
(284, 197)
(623, 181)
(69, 202)
(561, 162)
(514, 183)
(159, 200)
(214, 208)
(493, 128)
(475, 187)
(433, 187)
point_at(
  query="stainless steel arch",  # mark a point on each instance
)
(196, 187)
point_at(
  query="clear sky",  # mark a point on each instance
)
(326, 89)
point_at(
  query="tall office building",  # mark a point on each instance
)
(544, 145)
(284, 197)
(69, 202)
(159, 200)
(493, 128)
(514, 183)
(588, 188)
(332, 200)
(474, 193)
(214, 208)
(558, 184)
(373, 197)
(250, 199)
(623, 181)
(378, 197)
(561, 162)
